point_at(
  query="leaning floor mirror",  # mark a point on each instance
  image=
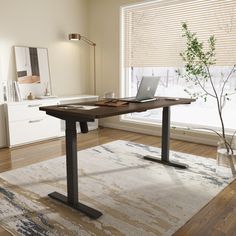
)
(32, 69)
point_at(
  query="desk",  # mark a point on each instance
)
(71, 116)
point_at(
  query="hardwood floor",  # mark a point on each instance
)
(218, 218)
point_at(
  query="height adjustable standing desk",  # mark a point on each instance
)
(71, 116)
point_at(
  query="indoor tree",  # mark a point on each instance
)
(198, 61)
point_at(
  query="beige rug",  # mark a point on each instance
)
(137, 197)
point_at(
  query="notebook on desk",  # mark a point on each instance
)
(146, 90)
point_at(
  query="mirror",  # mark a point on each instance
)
(32, 69)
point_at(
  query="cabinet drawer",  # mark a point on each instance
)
(31, 130)
(22, 112)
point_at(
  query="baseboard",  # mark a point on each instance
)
(155, 130)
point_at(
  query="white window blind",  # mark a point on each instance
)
(152, 34)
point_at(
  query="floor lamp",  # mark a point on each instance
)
(76, 37)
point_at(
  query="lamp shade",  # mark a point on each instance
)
(74, 37)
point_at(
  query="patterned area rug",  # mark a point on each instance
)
(137, 197)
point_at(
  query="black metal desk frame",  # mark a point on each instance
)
(72, 198)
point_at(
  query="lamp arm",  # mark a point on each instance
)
(87, 40)
(94, 62)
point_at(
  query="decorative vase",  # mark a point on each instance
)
(226, 160)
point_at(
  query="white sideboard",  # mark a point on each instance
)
(25, 123)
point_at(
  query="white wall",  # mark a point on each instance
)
(47, 23)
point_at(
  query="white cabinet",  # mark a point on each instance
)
(26, 123)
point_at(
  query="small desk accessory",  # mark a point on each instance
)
(111, 103)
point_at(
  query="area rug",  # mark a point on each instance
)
(136, 196)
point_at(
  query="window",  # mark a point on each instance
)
(151, 40)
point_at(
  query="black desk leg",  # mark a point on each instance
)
(165, 146)
(72, 198)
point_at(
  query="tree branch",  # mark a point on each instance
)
(218, 134)
(232, 138)
(203, 87)
(223, 87)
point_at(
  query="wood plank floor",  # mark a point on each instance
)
(218, 218)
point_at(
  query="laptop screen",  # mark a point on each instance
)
(147, 87)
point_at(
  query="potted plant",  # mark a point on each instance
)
(197, 70)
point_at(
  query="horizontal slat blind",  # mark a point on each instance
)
(152, 34)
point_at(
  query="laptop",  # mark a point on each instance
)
(146, 90)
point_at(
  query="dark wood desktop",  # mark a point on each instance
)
(72, 115)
